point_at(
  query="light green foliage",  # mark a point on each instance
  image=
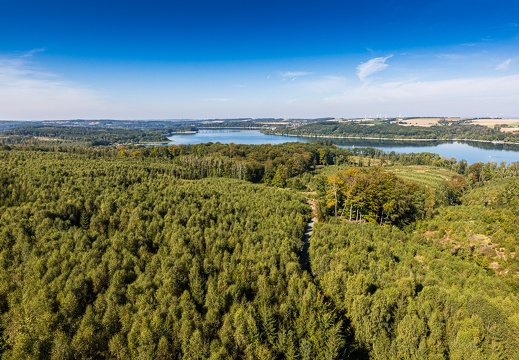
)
(373, 194)
(410, 301)
(483, 229)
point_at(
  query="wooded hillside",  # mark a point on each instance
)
(166, 253)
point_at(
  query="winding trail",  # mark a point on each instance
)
(305, 263)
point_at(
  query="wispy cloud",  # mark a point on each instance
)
(293, 75)
(27, 92)
(30, 53)
(452, 56)
(372, 66)
(462, 96)
(504, 65)
(323, 84)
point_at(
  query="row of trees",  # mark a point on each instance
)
(384, 130)
(278, 165)
(95, 136)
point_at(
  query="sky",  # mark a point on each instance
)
(199, 59)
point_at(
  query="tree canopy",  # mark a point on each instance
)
(193, 252)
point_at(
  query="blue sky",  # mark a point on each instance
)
(223, 59)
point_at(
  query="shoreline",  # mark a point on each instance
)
(502, 142)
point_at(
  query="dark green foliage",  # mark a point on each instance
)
(394, 131)
(116, 258)
(54, 134)
(282, 165)
(156, 253)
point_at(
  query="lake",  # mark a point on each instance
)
(470, 151)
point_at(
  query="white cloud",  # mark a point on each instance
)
(295, 74)
(504, 65)
(463, 97)
(27, 92)
(371, 67)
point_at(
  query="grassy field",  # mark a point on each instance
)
(422, 174)
(426, 175)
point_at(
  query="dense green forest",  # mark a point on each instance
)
(392, 131)
(111, 132)
(80, 135)
(193, 252)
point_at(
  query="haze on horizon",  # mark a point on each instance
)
(204, 59)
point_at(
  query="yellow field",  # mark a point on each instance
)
(513, 124)
(425, 122)
(492, 122)
(510, 129)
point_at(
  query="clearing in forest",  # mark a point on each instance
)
(426, 175)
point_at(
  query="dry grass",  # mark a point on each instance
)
(513, 124)
(510, 129)
(425, 122)
(45, 138)
(493, 122)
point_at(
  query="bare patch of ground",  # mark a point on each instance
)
(429, 233)
(44, 138)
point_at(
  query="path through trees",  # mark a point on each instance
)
(305, 263)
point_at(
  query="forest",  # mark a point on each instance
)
(81, 135)
(194, 252)
(372, 129)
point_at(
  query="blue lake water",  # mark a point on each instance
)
(470, 151)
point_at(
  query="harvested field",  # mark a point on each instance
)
(510, 129)
(425, 122)
(493, 122)
(512, 125)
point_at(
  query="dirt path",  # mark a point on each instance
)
(305, 263)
